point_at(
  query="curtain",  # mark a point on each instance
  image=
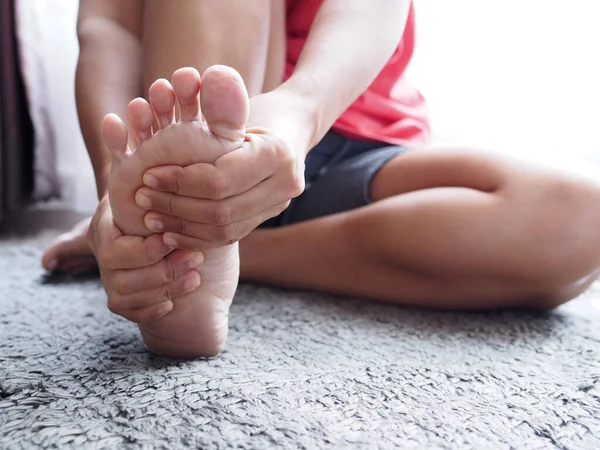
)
(16, 132)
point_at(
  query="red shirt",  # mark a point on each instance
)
(390, 110)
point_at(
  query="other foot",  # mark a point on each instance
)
(70, 252)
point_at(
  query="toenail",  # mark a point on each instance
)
(143, 201)
(155, 225)
(53, 265)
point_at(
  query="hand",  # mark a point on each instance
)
(141, 276)
(204, 206)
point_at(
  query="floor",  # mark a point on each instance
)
(301, 370)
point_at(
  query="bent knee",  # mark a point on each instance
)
(549, 294)
(560, 238)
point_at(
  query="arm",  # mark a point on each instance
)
(347, 37)
(108, 71)
(352, 37)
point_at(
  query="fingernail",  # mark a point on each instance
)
(191, 284)
(170, 242)
(150, 180)
(196, 261)
(155, 225)
(143, 201)
(165, 308)
(52, 265)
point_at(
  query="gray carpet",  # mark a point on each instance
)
(301, 371)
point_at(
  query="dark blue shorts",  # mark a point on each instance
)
(338, 176)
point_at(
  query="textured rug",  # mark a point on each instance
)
(301, 370)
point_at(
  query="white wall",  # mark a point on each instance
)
(522, 76)
(518, 75)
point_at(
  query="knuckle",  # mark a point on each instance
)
(275, 151)
(221, 215)
(216, 186)
(283, 206)
(106, 258)
(172, 208)
(119, 284)
(225, 234)
(114, 304)
(176, 180)
(298, 184)
(165, 293)
(170, 273)
(144, 317)
(152, 254)
(182, 226)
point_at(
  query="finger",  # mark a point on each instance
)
(115, 251)
(149, 314)
(132, 252)
(129, 306)
(217, 212)
(209, 237)
(231, 174)
(167, 270)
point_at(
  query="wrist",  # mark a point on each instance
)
(305, 118)
(308, 109)
(285, 113)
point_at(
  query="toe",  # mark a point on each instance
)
(186, 84)
(114, 133)
(162, 99)
(224, 102)
(69, 250)
(141, 118)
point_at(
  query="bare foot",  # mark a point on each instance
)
(198, 324)
(70, 251)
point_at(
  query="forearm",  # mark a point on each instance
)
(349, 44)
(107, 78)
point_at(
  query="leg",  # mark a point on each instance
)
(447, 229)
(166, 37)
(200, 34)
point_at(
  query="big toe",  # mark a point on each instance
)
(224, 102)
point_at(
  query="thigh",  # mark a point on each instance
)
(484, 171)
(338, 174)
(419, 169)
